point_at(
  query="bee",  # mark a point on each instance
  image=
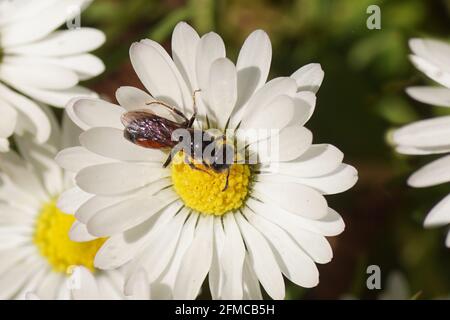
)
(149, 130)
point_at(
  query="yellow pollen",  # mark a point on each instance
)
(203, 191)
(52, 239)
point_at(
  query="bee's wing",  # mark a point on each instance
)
(130, 116)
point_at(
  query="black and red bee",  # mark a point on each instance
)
(149, 130)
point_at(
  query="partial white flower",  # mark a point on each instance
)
(178, 223)
(431, 136)
(38, 61)
(83, 285)
(36, 254)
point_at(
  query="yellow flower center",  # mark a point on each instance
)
(202, 189)
(52, 238)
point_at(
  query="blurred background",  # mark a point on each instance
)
(361, 100)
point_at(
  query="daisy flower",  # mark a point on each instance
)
(42, 63)
(179, 223)
(431, 136)
(36, 254)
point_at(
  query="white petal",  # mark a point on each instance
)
(132, 98)
(62, 43)
(38, 26)
(162, 245)
(432, 95)
(253, 65)
(294, 263)
(196, 261)
(4, 145)
(432, 174)
(318, 160)
(116, 178)
(184, 50)
(98, 140)
(137, 286)
(156, 74)
(266, 94)
(426, 133)
(305, 103)
(90, 113)
(434, 51)
(290, 144)
(216, 279)
(210, 48)
(440, 214)
(232, 260)
(295, 198)
(222, 90)
(275, 115)
(77, 158)
(309, 77)
(7, 120)
(307, 233)
(85, 287)
(127, 214)
(252, 290)
(79, 233)
(41, 157)
(431, 70)
(57, 98)
(262, 260)
(169, 276)
(340, 180)
(37, 121)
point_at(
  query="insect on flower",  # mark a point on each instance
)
(149, 130)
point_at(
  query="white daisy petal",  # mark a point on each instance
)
(87, 288)
(75, 159)
(156, 74)
(89, 113)
(39, 123)
(62, 43)
(232, 258)
(216, 279)
(295, 198)
(309, 77)
(262, 259)
(432, 174)
(184, 50)
(292, 142)
(196, 261)
(72, 199)
(252, 290)
(307, 233)
(222, 90)
(98, 140)
(431, 70)
(294, 263)
(79, 233)
(38, 26)
(110, 220)
(8, 119)
(253, 65)
(425, 133)
(340, 180)
(117, 178)
(440, 214)
(318, 160)
(437, 96)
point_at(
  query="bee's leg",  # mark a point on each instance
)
(171, 108)
(226, 182)
(193, 166)
(194, 106)
(168, 160)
